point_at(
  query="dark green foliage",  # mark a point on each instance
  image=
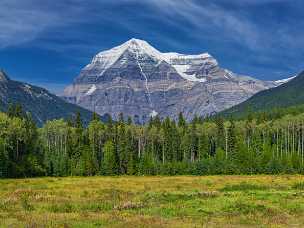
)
(109, 165)
(232, 140)
(61, 148)
(181, 120)
(39, 102)
(272, 103)
(220, 133)
(15, 110)
(95, 116)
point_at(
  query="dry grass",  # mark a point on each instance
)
(183, 201)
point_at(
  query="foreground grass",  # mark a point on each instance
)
(212, 201)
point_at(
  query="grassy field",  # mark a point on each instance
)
(184, 201)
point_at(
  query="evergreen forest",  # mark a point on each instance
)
(252, 145)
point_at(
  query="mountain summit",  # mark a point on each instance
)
(138, 80)
(141, 53)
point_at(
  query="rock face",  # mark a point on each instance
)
(39, 102)
(139, 81)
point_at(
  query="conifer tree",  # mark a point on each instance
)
(220, 136)
(109, 163)
(95, 116)
(232, 140)
(181, 120)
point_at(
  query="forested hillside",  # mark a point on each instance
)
(286, 95)
(63, 148)
(39, 102)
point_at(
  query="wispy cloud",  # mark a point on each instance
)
(25, 20)
(235, 23)
(258, 34)
(210, 17)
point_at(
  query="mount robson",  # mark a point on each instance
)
(141, 82)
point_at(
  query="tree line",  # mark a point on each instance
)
(160, 147)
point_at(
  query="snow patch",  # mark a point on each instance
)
(27, 86)
(173, 55)
(153, 114)
(106, 59)
(282, 81)
(182, 64)
(182, 70)
(91, 90)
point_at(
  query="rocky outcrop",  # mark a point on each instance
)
(139, 81)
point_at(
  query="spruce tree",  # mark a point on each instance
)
(95, 116)
(79, 129)
(109, 163)
(181, 120)
(220, 133)
(232, 140)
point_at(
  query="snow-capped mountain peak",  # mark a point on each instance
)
(133, 45)
(142, 46)
(138, 80)
(185, 65)
(106, 59)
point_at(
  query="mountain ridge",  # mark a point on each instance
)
(285, 95)
(42, 104)
(138, 80)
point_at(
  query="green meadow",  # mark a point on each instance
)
(181, 201)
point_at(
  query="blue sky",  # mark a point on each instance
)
(47, 42)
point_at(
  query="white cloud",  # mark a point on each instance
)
(236, 22)
(210, 17)
(54, 25)
(25, 20)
